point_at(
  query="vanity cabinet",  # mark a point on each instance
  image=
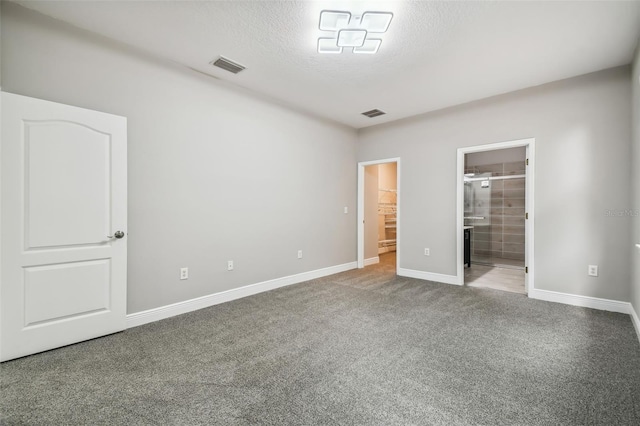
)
(467, 247)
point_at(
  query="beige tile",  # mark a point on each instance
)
(481, 236)
(514, 202)
(513, 247)
(496, 237)
(496, 203)
(514, 256)
(515, 168)
(481, 246)
(495, 278)
(490, 168)
(513, 211)
(514, 238)
(513, 229)
(514, 193)
(514, 183)
(513, 220)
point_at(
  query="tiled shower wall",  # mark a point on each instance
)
(504, 236)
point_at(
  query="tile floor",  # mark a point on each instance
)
(506, 279)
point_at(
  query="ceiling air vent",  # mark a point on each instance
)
(228, 65)
(374, 113)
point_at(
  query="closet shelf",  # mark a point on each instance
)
(387, 211)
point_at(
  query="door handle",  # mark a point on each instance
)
(118, 235)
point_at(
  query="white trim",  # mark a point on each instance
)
(372, 261)
(584, 301)
(360, 227)
(635, 320)
(156, 314)
(429, 276)
(529, 143)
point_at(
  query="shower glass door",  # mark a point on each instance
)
(477, 213)
(494, 206)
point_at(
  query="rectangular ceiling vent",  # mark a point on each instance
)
(374, 113)
(228, 65)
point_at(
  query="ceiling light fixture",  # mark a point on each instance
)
(370, 46)
(328, 45)
(352, 31)
(351, 38)
(376, 22)
(333, 21)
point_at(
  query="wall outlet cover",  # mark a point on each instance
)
(230, 265)
(184, 273)
(593, 270)
(299, 254)
(427, 252)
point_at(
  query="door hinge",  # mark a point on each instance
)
(526, 269)
(526, 215)
(527, 161)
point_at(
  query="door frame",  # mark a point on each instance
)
(529, 144)
(361, 166)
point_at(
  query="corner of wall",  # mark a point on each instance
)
(635, 188)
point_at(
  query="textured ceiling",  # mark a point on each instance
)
(435, 54)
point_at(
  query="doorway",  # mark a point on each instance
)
(495, 191)
(379, 213)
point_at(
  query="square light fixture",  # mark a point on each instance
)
(370, 46)
(351, 38)
(328, 45)
(331, 20)
(376, 22)
(344, 29)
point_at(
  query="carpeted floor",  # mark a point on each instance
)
(362, 347)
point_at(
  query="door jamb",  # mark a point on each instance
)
(360, 234)
(529, 143)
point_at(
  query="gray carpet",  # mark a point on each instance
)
(357, 348)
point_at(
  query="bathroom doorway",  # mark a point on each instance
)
(378, 214)
(495, 211)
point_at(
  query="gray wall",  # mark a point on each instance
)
(582, 130)
(215, 173)
(635, 260)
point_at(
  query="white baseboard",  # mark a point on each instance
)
(584, 301)
(156, 314)
(635, 320)
(429, 276)
(372, 261)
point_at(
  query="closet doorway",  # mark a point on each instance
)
(378, 213)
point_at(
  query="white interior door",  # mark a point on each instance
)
(63, 225)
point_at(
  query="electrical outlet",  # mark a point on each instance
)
(230, 265)
(427, 252)
(346, 210)
(593, 270)
(299, 254)
(184, 273)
